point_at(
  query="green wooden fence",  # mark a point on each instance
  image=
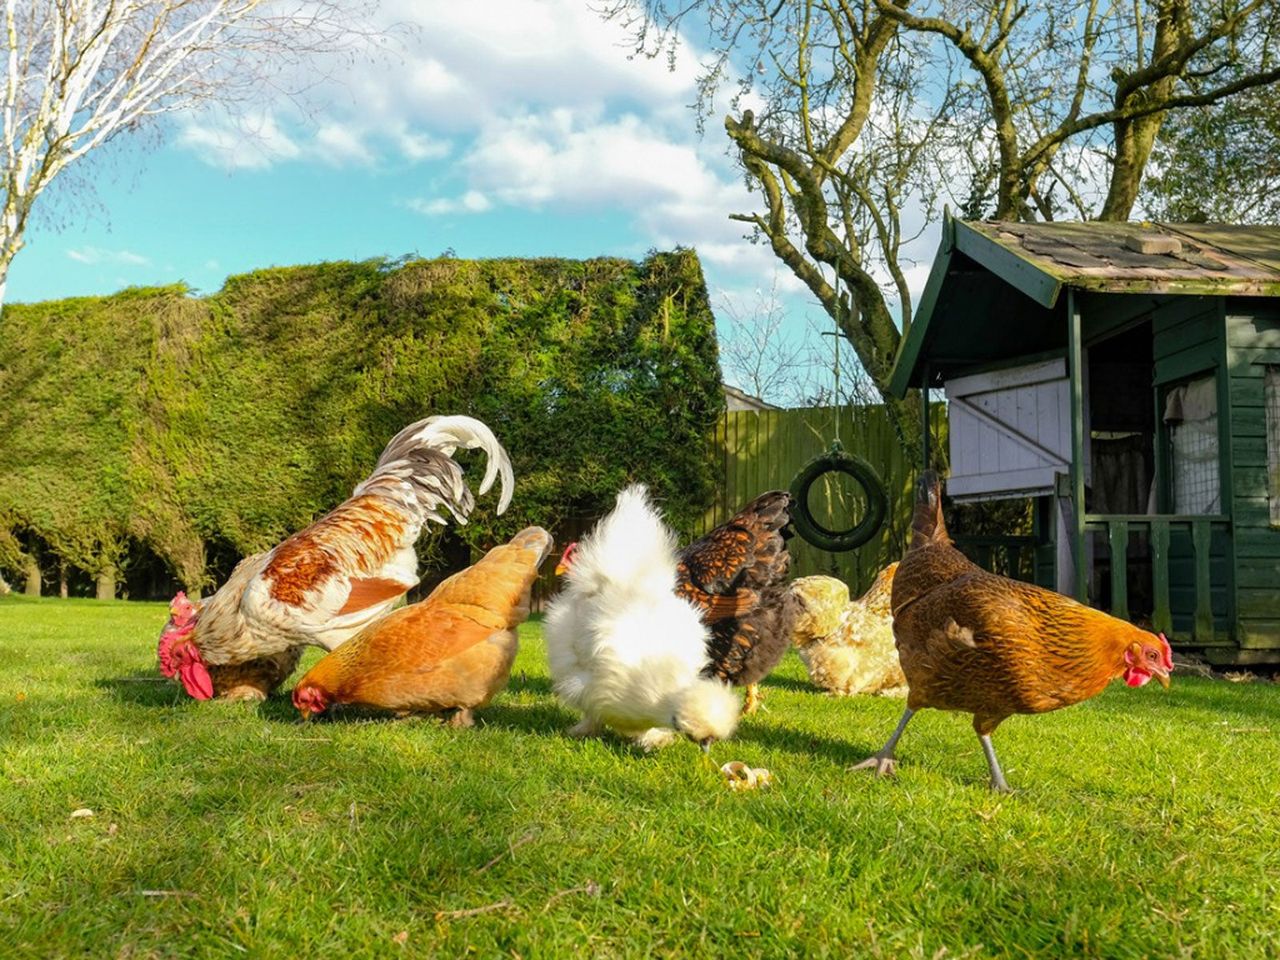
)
(764, 450)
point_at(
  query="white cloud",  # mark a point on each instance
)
(539, 106)
(253, 143)
(473, 201)
(93, 256)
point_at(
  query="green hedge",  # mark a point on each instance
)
(160, 422)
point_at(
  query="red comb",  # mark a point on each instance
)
(1167, 656)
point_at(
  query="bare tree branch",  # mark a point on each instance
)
(80, 72)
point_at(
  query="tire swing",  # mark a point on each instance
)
(837, 460)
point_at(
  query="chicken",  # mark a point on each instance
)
(623, 647)
(449, 654)
(847, 645)
(982, 644)
(737, 577)
(333, 579)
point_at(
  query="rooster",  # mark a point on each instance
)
(449, 654)
(333, 579)
(737, 576)
(989, 646)
(623, 647)
(847, 645)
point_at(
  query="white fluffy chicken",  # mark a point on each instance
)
(623, 648)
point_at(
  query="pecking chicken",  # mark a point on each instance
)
(737, 577)
(333, 579)
(983, 644)
(847, 645)
(622, 646)
(448, 654)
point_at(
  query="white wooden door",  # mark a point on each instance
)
(1010, 431)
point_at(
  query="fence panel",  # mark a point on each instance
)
(764, 450)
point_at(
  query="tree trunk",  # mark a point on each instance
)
(1135, 138)
(62, 580)
(33, 579)
(107, 584)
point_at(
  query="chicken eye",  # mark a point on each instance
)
(1151, 654)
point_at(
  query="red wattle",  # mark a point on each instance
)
(1136, 678)
(196, 680)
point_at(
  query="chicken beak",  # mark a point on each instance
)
(1162, 678)
(561, 569)
(705, 745)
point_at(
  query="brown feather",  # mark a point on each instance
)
(453, 649)
(737, 575)
(976, 642)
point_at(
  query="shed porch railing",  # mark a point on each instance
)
(1115, 530)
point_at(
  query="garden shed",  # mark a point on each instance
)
(1126, 376)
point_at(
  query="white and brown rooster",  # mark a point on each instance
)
(329, 581)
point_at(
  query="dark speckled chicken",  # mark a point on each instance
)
(737, 575)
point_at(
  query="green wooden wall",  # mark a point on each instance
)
(1252, 330)
(1187, 341)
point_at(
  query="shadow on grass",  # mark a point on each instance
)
(142, 687)
(807, 744)
(523, 683)
(543, 718)
(786, 683)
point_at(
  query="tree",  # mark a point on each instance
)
(856, 118)
(757, 356)
(1219, 163)
(80, 72)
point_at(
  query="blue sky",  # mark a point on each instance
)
(511, 127)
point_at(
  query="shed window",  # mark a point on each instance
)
(1272, 399)
(1191, 411)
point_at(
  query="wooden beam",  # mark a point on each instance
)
(924, 418)
(1075, 370)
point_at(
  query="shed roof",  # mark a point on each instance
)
(1021, 268)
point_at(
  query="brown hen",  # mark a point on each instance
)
(449, 654)
(982, 644)
(737, 575)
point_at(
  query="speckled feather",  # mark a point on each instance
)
(749, 553)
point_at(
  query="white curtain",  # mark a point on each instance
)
(1191, 410)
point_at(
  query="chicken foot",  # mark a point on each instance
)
(459, 718)
(883, 763)
(755, 699)
(998, 782)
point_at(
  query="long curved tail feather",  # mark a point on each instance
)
(417, 467)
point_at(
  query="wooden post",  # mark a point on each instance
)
(1118, 537)
(1203, 621)
(924, 424)
(1161, 617)
(1075, 369)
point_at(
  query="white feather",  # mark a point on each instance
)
(623, 648)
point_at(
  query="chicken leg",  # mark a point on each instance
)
(755, 700)
(998, 782)
(883, 764)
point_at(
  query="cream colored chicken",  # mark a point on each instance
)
(847, 645)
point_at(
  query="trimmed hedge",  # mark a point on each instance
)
(156, 422)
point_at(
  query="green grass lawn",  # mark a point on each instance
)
(1146, 823)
